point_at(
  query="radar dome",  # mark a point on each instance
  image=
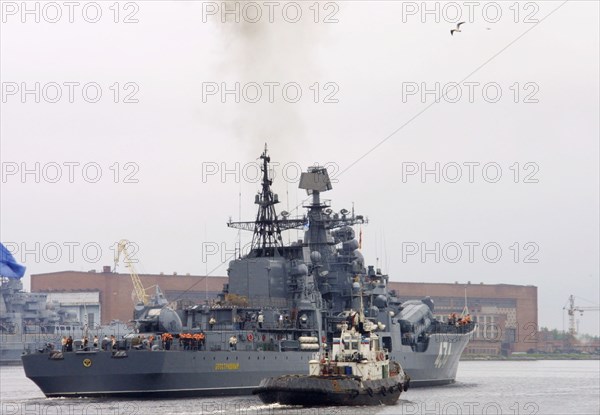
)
(315, 257)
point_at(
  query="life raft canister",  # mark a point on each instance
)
(250, 337)
(380, 356)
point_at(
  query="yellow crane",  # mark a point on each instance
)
(571, 309)
(140, 292)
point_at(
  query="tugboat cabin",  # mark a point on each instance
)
(354, 354)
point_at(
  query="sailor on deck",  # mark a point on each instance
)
(233, 342)
(105, 343)
(261, 320)
(201, 338)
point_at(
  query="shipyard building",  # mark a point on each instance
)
(506, 314)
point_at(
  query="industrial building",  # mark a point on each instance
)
(506, 314)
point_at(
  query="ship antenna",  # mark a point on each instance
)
(205, 269)
(287, 203)
(361, 311)
(376, 250)
(386, 260)
(362, 306)
(296, 200)
(240, 219)
(86, 321)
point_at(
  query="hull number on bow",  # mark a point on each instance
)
(443, 354)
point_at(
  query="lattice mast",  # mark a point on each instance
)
(267, 233)
(267, 228)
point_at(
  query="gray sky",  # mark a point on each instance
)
(371, 67)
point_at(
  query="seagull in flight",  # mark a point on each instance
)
(457, 28)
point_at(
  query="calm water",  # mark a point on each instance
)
(529, 387)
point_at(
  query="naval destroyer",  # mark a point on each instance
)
(283, 303)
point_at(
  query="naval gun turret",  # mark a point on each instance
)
(416, 316)
(156, 316)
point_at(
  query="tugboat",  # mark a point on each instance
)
(358, 372)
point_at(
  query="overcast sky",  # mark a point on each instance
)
(522, 133)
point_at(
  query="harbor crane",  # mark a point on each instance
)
(571, 309)
(140, 292)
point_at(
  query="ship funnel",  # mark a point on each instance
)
(315, 180)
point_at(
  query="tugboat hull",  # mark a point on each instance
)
(329, 391)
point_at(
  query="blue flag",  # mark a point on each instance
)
(8, 266)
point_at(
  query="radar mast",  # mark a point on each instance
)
(267, 240)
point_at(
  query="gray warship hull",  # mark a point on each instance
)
(282, 304)
(173, 374)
